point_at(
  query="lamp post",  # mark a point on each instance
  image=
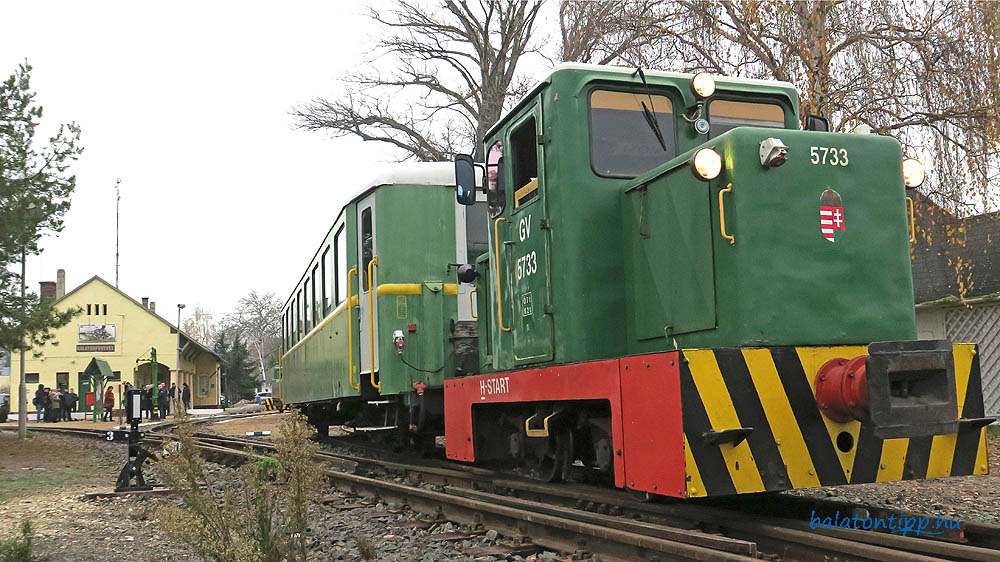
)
(22, 391)
(177, 380)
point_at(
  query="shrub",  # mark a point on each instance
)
(18, 549)
(257, 513)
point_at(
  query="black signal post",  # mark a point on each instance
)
(136, 454)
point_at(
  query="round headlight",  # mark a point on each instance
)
(706, 164)
(703, 84)
(913, 173)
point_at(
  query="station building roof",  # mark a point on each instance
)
(192, 349)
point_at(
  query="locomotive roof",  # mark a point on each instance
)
(605, 69)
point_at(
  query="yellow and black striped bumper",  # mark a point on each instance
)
(792, 444)
(271, 403)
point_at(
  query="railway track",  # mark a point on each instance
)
(584, 520)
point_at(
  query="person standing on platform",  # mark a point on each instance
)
(39, 401)
(73, 400)
(64, 397)
(186, 397)
(55, 402)
(109, 405)
(163, 400)
(173, 396)
(147, 401)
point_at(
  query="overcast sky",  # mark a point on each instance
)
(187, 103)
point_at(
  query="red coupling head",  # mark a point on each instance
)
(842, 389)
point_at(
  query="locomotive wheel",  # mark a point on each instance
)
(551, 460)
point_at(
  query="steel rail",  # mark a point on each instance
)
(550, 516)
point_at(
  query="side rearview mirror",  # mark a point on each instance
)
(465, 179)
(817, 123)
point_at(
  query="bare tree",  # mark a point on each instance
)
(455, 69)
(927, 73)
(200, 325)
(257, 321)
(607, 31)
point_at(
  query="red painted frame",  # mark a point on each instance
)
(644, 394)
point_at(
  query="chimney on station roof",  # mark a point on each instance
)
(152, 307)
(47, 289)
(145, 302)
(60, 283)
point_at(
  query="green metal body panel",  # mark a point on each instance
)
(484, 299)
(415, 228)
(317, 370)
(579, 286)
(781, 282)
(415, 242)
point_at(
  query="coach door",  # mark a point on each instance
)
(368, 275)
(525, 253)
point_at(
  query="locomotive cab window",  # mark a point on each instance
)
(623, 143)
(725, 115)
(524, 152)
(495, 185)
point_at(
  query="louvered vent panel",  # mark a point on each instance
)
(980, 324)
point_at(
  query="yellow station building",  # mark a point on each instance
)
(120, 330)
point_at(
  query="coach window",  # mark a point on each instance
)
(524, 152)
(725, 115)
(327, 281)
(298, 315)
(496, 194)
(317, 293)
(308, 305)
(366, 246)
(624, 143)
(340, 258)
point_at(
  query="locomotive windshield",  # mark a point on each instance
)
(725, 115)
(622, 142)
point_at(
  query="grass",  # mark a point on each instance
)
(35, 481)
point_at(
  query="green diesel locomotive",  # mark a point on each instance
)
(669, 284)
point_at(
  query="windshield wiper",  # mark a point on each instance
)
(648, 113)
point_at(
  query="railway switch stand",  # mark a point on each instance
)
(136, 454)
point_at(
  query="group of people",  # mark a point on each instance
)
(55, 405)
(58, 405)
(165, 398)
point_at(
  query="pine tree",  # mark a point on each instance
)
(237, 368)
(35, 189)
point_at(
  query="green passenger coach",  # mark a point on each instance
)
(377, 315)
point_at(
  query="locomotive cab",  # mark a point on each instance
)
(684, 291)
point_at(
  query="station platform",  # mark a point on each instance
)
(83, 420)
